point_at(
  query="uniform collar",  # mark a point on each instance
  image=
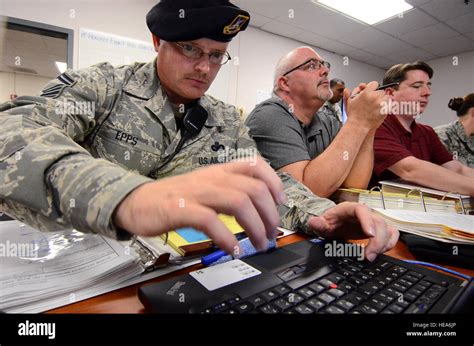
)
(460, 131)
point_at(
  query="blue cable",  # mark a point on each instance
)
(464, 276)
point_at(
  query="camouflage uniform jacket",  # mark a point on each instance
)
(331, 110)
(69, 156)
(455, 140)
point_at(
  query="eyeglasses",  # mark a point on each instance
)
(194, 52)
(312, 64)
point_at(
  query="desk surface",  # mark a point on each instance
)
(126, 299)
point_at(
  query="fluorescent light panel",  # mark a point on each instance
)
(368, 11)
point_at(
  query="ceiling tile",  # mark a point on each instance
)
(269, 8)
(454, 45)
(320, 20)
(360, 55)
(364, 37)
(412, 20)
(282, 29)
(338, 47)
(386, 46)
(258, 20)
(313, 39)
(381, 62)
(412, 55)
(444, 10)
(429, 34)
(464, 23)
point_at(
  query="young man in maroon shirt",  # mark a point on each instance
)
(403, 148)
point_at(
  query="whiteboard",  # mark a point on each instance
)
(96, 47)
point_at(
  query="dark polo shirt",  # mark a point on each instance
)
(282, 139)
(393, 143)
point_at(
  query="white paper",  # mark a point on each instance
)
(224, 274)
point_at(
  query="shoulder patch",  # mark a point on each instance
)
(54, 91)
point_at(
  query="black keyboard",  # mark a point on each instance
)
(354, 287)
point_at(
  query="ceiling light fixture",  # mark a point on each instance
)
(367, 11)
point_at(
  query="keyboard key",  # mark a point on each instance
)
(398, 270)
(256, 301)
(410, 278)
(396, 308)
(325, 282)
(233, 301)
(269, 309)
(378, 303)
(282, 304)
(334, 310)
(398, 287)
(303, 309)
(335, 277)
(385, 297)
(415, 274)
(269, 295)
(414, 291)
(405, 282)
(326, 298)
(345, 304)
(306, 292)
(243, 307)
(293, 298)
(218, 308)
(355, 281)
(315, 304)
(318, 288)
(417, 308)
(368, 309)
(409, 297)
(355, 298)
(335, 292)
(282, 289)
(345, 287)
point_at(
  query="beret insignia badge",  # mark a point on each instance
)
(236, 24)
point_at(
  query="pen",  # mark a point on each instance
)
(213, 257)
(382, 87)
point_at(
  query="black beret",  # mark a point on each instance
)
(186, 20)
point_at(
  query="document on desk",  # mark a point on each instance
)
(446, 227)
(37, 266)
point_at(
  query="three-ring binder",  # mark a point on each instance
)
(150, 258)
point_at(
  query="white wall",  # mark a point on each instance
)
(256, 51)
(20, 84)
(449, 80)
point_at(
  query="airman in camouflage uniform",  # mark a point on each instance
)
(89, 146)
(454, 138)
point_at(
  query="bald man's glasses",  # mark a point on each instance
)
(192, 51)
(310, 65)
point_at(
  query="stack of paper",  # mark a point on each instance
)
(445, 227)
(464, 203)
(37, 267)
(391, 200)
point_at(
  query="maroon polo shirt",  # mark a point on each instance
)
(393, 143)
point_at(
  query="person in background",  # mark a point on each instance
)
(458, 136)
(409, 150)
(331, 107)
(314, 148)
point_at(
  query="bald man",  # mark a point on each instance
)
(315, 148)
